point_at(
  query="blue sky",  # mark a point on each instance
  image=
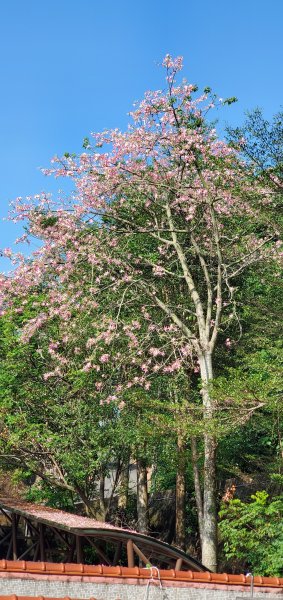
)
(70, 67)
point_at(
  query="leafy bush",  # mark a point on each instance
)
(252, 533)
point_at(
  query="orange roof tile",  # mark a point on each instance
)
(63, 569)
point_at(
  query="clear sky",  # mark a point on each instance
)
(71, 67)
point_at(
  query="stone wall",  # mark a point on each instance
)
(102, 588)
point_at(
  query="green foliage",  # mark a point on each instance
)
(252, 533)
(55, 432)
(262, 144)
(86, 143)
(230, 100)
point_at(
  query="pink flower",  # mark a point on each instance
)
(90, 342)
(47, 376)
(173, 63)
(158, 270)
(53, 346)
(156, 352)
(87, 367)
(111, 399)
(173, 367)
(7, 252)
(104, 358)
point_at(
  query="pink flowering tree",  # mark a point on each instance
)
(163, 220)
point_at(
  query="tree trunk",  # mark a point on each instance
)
(197, 486)
(102, 503)
(209, 536)
(142, 497)
(88, 504)
(123, 492)
(180, 531)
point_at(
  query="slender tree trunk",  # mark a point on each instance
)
(102, 503)
(114, 486)
(123, 492)
(197, 486)
(142, 497)
(209, 536)
(88, 504)
(180, 531)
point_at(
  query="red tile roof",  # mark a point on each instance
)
(63, 569)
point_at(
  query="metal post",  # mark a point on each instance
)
(252, 583)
